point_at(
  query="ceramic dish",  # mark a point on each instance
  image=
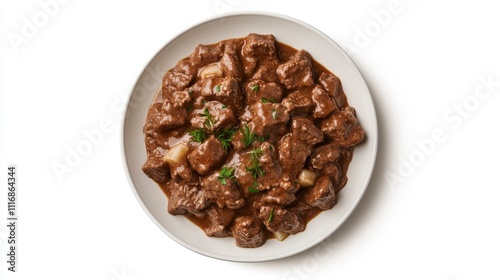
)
(289, 31)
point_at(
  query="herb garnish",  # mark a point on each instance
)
(226, 136)
(267, 101)
(253, 189)
(248, 137)
(225, 173)
(274, 113)
(270, 215)
(255, 87)
(209, 121)
(198, 135)
(255, 167)
(217, 88)
(189, 108)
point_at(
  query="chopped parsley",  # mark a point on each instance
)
(253, 189)
(274, 113)
(267, 101)
(217, 88)
(209, 121)
(271, 214)
(198, 135)
(189, 108)
(255, 169)
(226, 136)
(248, 137)
(225, 173)
(255, 87)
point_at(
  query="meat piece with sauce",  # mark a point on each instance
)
(343, 128)
(259, 90)
(220, 219)
(305, 130)
(225, 193)
(248, 232)
(333, 87)
(207, 156)
(292, 154)
(277, 219)
(185, 198)
(297, 72)
(269, 118)
(322, 194)
(157, 169)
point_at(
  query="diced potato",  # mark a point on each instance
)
(176, 154)
(211, 70)
(280, 236)
(307, 178)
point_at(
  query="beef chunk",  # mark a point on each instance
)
(224, 193)
(324, 103)
(248, 232)
(334, 171)
(279, 196)
(152, 118)
(299, 102)
(343, 128)
(206, 54)
(183, 171)
(267, 72)
(230, 64)
(259, 46)
(185, 198)
(269, 118)
(268, 173)
(207, 155)
(322, 194)
(220, 219)
(178, 77)
(157, 169)
(259, 90)
(297, 72)
(324, 155)
(214, 116)
(305, 130)
(249, 64)
(333, 87)
(292, 154)
(278, 219)
(181, 99)
(224, 90)
(163, 116)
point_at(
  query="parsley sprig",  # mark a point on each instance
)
(226, 136)
(209, 121)
(255, 169)
(253, 189)
(226, 173)
(271, 214)
(255, 87)
(198, 135)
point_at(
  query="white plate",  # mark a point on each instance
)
(291, 32)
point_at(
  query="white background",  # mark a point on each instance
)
(431, 210)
